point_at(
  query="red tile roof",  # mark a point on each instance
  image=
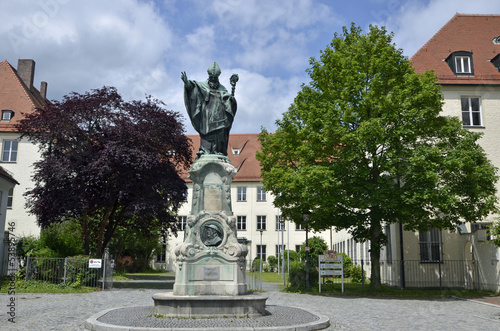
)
(245, 162)
(470, 33)
(16, 96)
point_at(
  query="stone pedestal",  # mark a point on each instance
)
(210, 261)
(210, 277)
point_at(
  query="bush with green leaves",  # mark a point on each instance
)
(79, 274)
(272, 262)
(347, 264)
(297, 277)
(357, 274)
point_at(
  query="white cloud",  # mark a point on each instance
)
(84, 45)
(415, 22)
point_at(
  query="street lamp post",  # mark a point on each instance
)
(282, 226)
(260, 258)
(306, 216)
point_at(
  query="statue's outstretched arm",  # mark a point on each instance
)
(187, 83)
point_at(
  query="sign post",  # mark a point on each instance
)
(331, 264)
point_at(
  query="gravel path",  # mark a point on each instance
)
(69, 311)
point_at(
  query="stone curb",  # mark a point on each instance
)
(93, 324)
(477, 301)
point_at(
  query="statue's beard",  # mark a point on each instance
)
(213, 85)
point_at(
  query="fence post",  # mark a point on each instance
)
(440, 277)
(362, 274)
(65, 264)
(27, 268)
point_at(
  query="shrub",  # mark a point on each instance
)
(347, 265)
(272, 262)
(79, 274)
(297, 277)
(63, 239)
(124, 264)
(357, 275)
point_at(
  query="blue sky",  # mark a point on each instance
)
(142, 46)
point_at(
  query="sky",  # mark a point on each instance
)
(142, 46)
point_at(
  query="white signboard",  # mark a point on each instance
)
(95, 263)
(331, 264)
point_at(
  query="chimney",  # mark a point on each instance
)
(43, 89)
(26, 70)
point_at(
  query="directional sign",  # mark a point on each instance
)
(331, 272)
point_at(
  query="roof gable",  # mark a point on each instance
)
(16, 96)
(463, 33)
(245, 162)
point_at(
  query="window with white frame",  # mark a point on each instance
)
(299, 227)
(9, 151)
(462, 64)
(261, 249)
(161, 255)
(261, 222)
(279, 224)
(10, 197)
(241, 193)
(7, 115)
(471, 111)
(430, 246)
(261, 194)
(241, 223)
(182, 221)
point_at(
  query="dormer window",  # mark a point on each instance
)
(461, 63)
(7, 115)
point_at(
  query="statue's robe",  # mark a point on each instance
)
(212, 113)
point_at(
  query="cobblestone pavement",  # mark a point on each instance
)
(69, 311)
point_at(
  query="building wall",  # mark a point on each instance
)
(22, 170)
(251, 208)
(5, 185)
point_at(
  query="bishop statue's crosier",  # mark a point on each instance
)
(210, 261)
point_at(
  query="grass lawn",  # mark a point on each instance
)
(36, 286)
(358, 290)
(145, 275)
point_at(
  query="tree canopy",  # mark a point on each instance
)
(106, 162)
(364, 145)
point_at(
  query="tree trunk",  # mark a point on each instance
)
(85, 232)
(376, 231)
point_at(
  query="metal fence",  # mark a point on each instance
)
(70, 271)
(460, 274)
(448, 274)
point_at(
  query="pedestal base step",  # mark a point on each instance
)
(171, 305)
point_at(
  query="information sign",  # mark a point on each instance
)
(331, 264)
(95, 263)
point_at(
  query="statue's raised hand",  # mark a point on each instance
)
(184, 77)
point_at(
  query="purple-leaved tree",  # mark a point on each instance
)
(107, 163)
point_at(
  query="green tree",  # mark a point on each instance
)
(139, 244)
(494, 232)
(364, 145)
(318, 247)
